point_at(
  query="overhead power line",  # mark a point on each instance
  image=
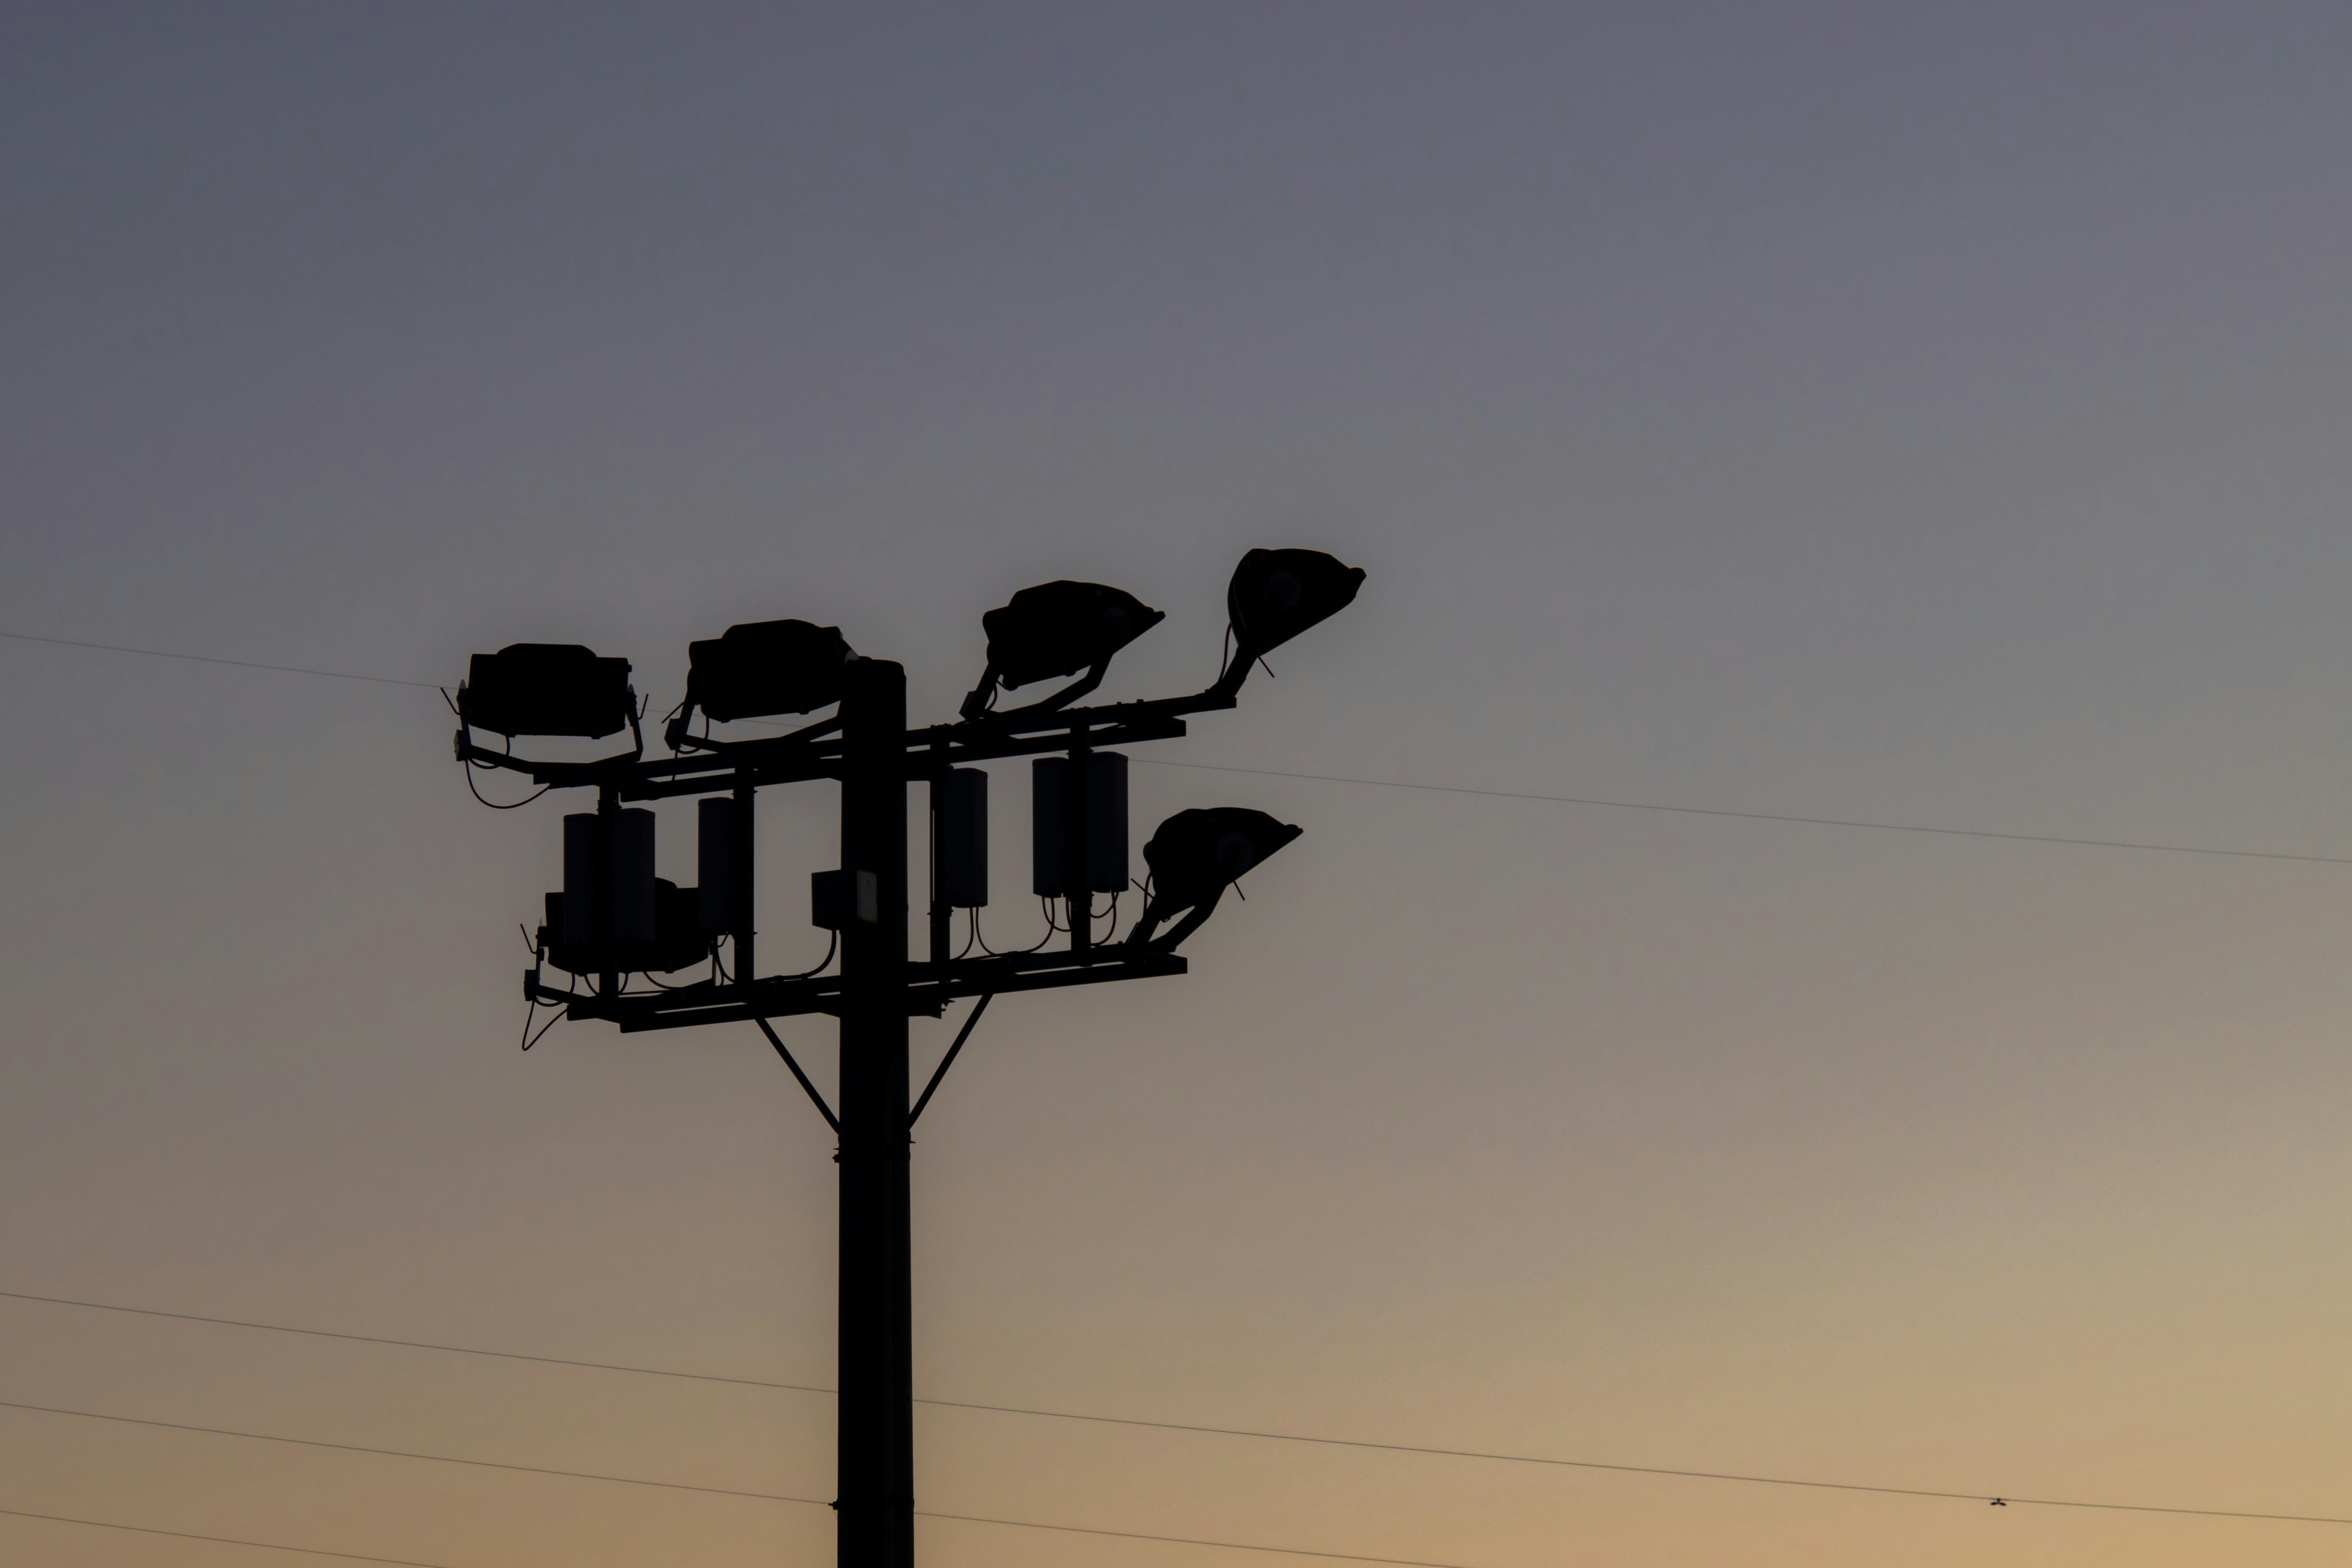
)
(401, 1453)
(1430, 1450)
(672, 1486)
(414, 1344)
(2143, 845)
(2003, 1498)
(1773, 817)
(1186, 1540)
(209, 659)
(217, 1540)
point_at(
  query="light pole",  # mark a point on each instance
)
(615, 920)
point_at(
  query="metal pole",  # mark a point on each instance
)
(740, 847)
(877, 1451)
(942, 916)
(1077, 884)
(608, 901)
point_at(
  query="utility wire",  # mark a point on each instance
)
(2004, 1498)
(1429, 1450)
(1186, 1540)
(401, 1453)
(1767, 815)
(209, 658)
(1383, 784)
(414, 1344)
(217, 1540)
(677, 1486)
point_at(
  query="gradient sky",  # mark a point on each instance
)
(1925, 414)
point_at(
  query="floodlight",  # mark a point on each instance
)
(763, 668)
(1055, 630)
(547, 689)
(1194, 857)
(1277, 593)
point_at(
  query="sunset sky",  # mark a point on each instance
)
(1909, 414)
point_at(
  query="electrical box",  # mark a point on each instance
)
(1104, 829)
(619, 906)
(960, 849)
(714, 822)
(838, 900)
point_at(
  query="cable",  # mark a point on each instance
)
(499, 805)
(832, 946)
(2005, 1498)
(1949, 1496)
(1052, 926)
(531, 1040)
(1380, 783)
(404, 1454)
(411, 1344)
(679, 1485)
(215, 1540)
(1769, 816)
(207, 658)
(1186, 1540)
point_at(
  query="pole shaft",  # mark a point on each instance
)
(608, 902)
(1077, 884)
(942, 916)
(877, 1459)
(745, 864)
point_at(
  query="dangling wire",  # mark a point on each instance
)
(830, 949)
(1053, 926)
(494, 806)
(530, 1039)
(971, 935)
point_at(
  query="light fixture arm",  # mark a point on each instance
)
(1195, 919)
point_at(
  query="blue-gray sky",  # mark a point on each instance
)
(1907, 413)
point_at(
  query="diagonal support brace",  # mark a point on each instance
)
(814, 1098)
(947, 1060)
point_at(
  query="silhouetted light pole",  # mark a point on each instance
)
(614, 920)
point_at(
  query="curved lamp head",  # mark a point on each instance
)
(547, 689)
(1057, 630)
(765, 667)
(1194, 857)
(1277, 593)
